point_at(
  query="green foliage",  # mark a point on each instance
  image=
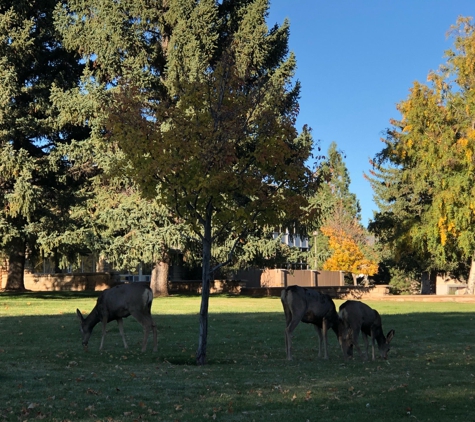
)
(424, 177)
(200, 99)
(404, 282)
(339, 240)
(37, 186)
(212, 129)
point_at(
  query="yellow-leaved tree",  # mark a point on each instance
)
(351, 250)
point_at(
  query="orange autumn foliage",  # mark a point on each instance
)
(346, 254)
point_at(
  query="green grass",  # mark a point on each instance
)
(45, 374)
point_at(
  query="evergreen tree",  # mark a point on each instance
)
(37, 186)
(199, 96)
(129, 230)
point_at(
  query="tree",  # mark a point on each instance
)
(427, 165)
(37, 186)
(204, 110)
(129, 230)
(348, 242)
(332, 199)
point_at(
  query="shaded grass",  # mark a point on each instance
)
(45, 374)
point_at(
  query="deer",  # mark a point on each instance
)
(117, 303)
(311, 307)
(356, 317)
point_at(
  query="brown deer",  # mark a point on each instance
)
(117, 303)
(356, 316)
(312, 307)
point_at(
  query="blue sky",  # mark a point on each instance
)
(356, 60)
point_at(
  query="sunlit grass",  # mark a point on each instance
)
(45, 374)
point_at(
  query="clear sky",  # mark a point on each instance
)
(356, 60)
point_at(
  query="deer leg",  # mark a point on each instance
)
(147, 324)
(325, 337)
(320, 340)
(373, 340)
(365, 338)
(104, 325)
(288, 336)
(146, 331)
(355, 341)
(120, 323)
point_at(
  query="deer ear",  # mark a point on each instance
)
(79, 315)
(390, 336)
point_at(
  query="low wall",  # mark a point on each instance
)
(216, 286)
(268, 278)
(65, 282)
(447, 285)
(336, 292)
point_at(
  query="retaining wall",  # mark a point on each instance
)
(65, 282)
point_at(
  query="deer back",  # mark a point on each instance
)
(309, 305)
(357, 316)
(120, 301)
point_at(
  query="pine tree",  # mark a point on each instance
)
(37, 187)
(129, 230)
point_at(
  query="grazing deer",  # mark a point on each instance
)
(117, 303)
(312, 307)
(356, 316)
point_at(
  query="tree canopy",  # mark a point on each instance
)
(38, 186)
(424, 177)
(199, 95)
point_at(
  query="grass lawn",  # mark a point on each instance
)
(45, 374)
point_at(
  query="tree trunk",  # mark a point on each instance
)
(101, 264)
(159, 278)
(471, 278)
(56, 269)
(16, 266)
(425, 283)
(355, 279)
(206, 275)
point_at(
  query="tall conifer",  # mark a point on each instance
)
(37, 187)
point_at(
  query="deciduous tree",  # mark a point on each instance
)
(332, 199)
(350, 248)
(427, 167)
(203, 104)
